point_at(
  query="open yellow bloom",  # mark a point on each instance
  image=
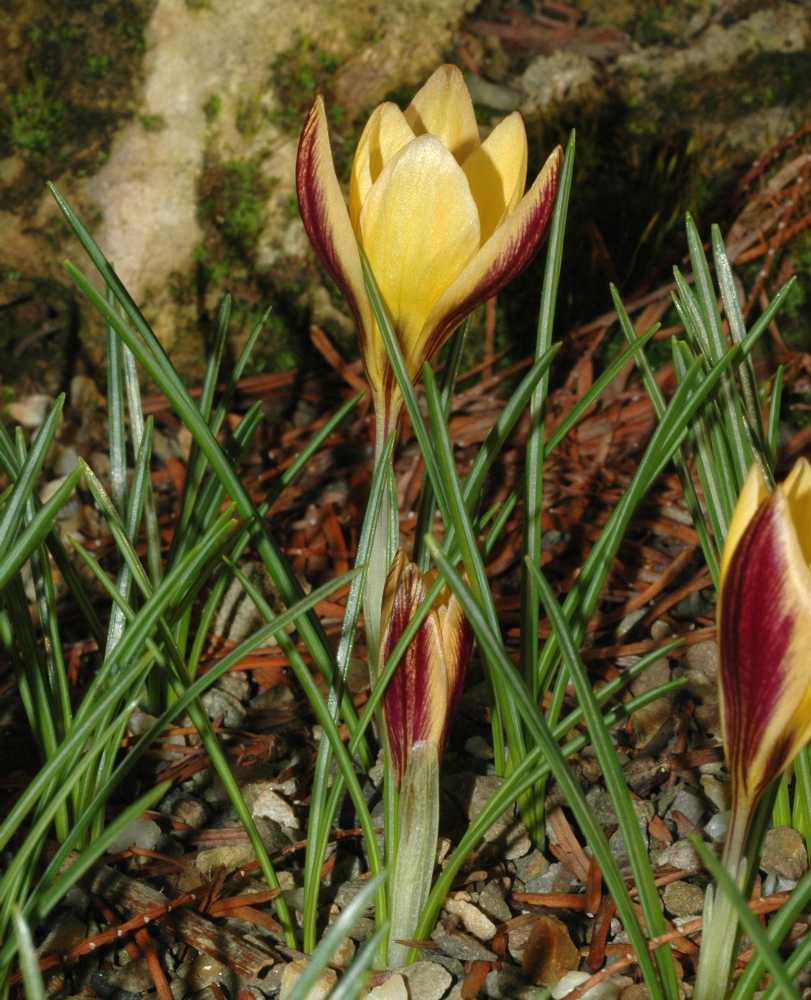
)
(764, 628)
(442, 217)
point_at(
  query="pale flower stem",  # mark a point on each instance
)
(416, 853)
(720, 930)
(381, 555)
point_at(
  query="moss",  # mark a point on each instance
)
(794, 319)
(249, 116)
(66, 86)
(152, 123)
(212, 108)
(657, 23)
(233, 199)
(297, 74)
(37, 118)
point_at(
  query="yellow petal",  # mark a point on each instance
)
(386, 132)
(754, 491)
(457, 643)
(326, 220)
(419, 227)
(442, 106)
(504, 255)
(497, 172)
(797, 490)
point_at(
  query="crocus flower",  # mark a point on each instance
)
(442, 218)
(764, 627)
(423, 692)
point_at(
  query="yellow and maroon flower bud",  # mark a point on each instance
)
(442, 217)
(423, 692)
(764, 628)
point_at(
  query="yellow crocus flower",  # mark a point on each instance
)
(442, 218)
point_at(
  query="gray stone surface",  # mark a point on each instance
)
(426, 980)
(784, 854)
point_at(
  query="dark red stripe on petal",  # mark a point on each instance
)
(313, 158)
(755, 631)
(407, 701)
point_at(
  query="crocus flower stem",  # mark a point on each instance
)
(720, 929)
(384, 544)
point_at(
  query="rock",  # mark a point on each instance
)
(530, 866)
(517, 938)
(30, 411)
(683, 899)
(426, 980)
(458, 944)
(784, 854)
(635, 992)
(716, 828)
(233, 856)
(264, 800)
(493, 95)
(473, 792)
(205, 970)
(563, 78)
(141, 832)
(220, 705)
(644, 811)
(133, 977)
(689, 804)
(491, 900)
(474, 920)
(606, 990)
(702, 681)
(601, 806)
(647, 721)
(325, 982)
(504, 984)
(344, 953)
(393, 988)
(680, 855)
(557, 878)
(549, 952)
(716, 791)
(347, 892)
(190, 812)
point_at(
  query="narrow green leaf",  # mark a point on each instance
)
(338, 932)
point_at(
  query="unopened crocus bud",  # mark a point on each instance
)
(422, 694)
(764, 628)
(764, 634)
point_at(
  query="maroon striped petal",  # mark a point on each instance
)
(416, 699)
(764, 631)
(326, 220)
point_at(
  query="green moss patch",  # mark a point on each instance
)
(70, 73)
